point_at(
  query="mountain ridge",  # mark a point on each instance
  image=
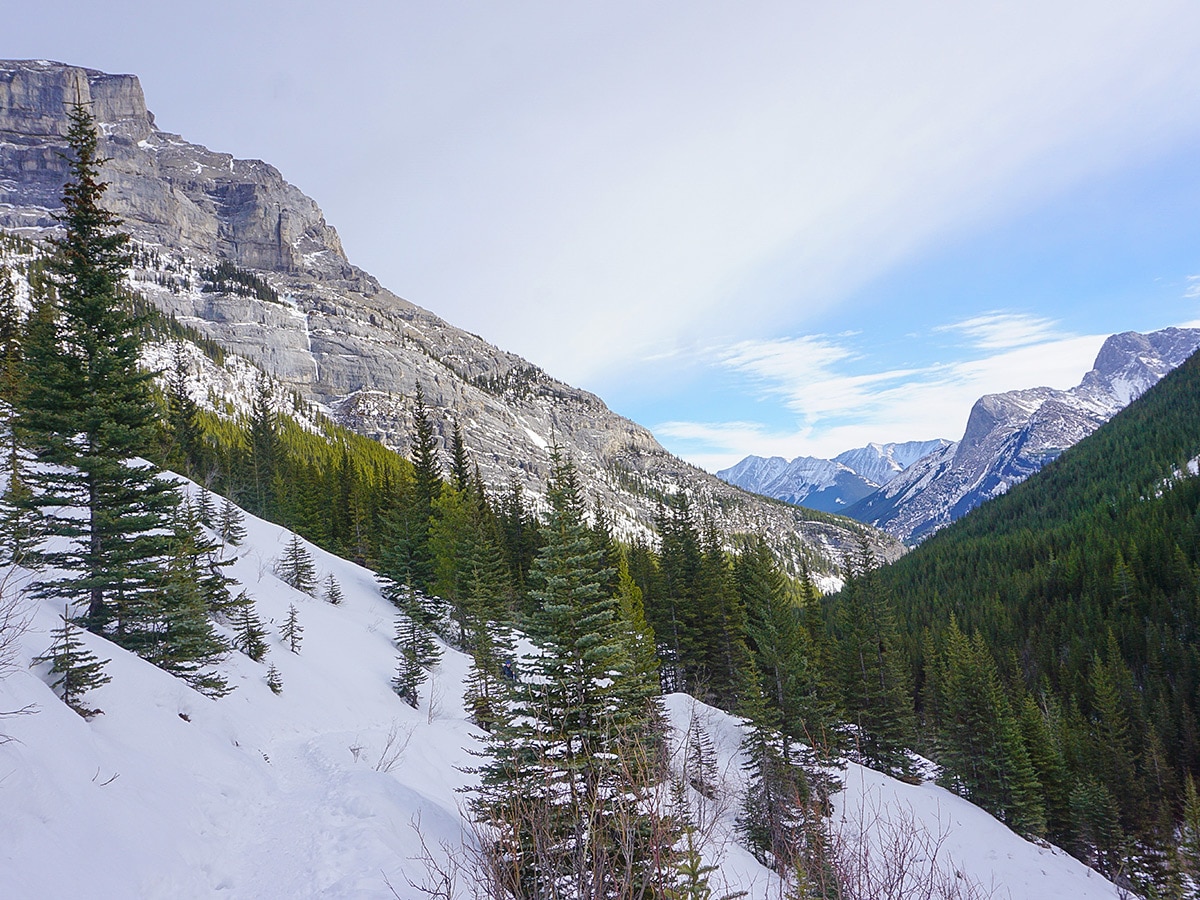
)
(335, 334)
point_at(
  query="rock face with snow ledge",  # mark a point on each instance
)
(1010, 436)
(335, 334)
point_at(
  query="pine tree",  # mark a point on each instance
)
(565, 785)
(782, 646)
(872, 675)
(1189, 838)
(230, 525)
(77, 668)
(17, 525)
(333, 590)
(292, 630)
(274, 679)
(295, 567)
(250, 637)
(90, 411)
(980, 746)
(180, 638)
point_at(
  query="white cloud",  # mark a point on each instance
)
(838, 408)
(1193, 287)
(1001, 330)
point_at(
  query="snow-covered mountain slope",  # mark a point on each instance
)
(331, 332)
(315, 792)
(1010, 436)
(829, 485)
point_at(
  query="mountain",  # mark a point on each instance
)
(1009, 436)
(829, 485)
(231, 249)
(1081, 584)
(319, 791)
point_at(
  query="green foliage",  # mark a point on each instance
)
(77, 668)
(295, 567)
(249, 634)
(1083, 583)
(89, 410)
(871, 671)
(226, 278)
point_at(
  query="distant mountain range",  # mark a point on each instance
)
(830, 485)
(911, 490)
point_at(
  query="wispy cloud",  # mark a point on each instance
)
(1192, 291)
(839, 405)
(1002, 330)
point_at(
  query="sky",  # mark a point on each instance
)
(756, 228)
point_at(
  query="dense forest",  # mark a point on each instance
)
(1050, 642)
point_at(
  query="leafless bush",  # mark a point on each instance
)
(394, 745)
(884, 852)
(16, 612)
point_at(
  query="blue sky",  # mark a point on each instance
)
(774, 228)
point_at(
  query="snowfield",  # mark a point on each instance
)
(316, 792)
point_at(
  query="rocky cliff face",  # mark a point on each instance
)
(333, 333)
(1010, 436)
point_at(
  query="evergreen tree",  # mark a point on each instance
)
(17, 525)
(250, 637)
(418, 651)
(782, 646)
(185, 451)
(295, 567)
(333, 590)
(774, 815)
(274, 679)
(264, 452)
(873, 676)
(292, 630)
(981, 749)
(230, 524)
(180, 638)
(458, 460)
(90, 411)
(566, 782)
(77, 668)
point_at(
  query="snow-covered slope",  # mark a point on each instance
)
(1010, 436)
(316, 792)
(829, 485)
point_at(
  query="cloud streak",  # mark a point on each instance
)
(839, 404)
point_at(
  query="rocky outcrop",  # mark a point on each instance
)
(332, 333)
(1012, 435)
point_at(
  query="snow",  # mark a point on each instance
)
(170, 794)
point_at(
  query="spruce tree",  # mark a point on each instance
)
(565, 785)
(980, 746)
(292, 630)
(180, 638)
(333, 591)
(17, 526)
(90, 411)
(872, 675)
(249, 635)
(78, 669)
(295, 567)
(230, 525)
(274, 679)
